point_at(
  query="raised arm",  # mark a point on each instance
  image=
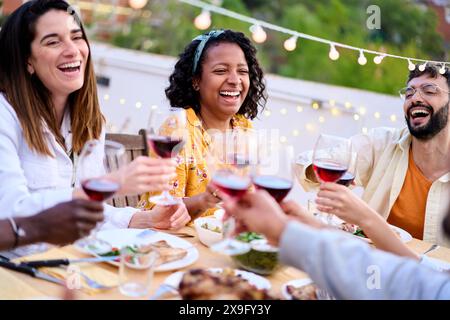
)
(346, 267)
(341, 201)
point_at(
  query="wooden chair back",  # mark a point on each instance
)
(135, 146)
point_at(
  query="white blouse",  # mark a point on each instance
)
(31, 182)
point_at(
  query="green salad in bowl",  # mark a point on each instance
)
(262, 257)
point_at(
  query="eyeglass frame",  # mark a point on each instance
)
(420, 90)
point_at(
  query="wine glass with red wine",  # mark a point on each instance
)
(229, 165)
(166, 138)
(349, 176)
(100, 183)
(273, 171)
(331, 159)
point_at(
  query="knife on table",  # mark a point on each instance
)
(30, 271)
(65, 262)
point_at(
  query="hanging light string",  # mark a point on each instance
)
(332, 44)
(333, 107)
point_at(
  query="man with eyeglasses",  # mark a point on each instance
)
(406, 172)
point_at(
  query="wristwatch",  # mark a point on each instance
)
(18, 232)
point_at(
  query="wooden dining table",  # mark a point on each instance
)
(207, 259)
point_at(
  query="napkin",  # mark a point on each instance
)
(69, 274)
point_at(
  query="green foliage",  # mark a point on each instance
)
(406, 29)
(2, 17)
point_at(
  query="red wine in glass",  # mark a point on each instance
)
(329, 171)
(100, 189)
(277, 187)
(346, 179)
(165, 147)
(232, 185)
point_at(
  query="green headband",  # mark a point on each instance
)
(203, 40)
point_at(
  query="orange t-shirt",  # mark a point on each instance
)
(408, 211)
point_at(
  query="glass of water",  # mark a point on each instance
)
(136, 271)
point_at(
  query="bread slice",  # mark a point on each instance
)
(167, 253)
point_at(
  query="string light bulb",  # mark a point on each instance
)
(411, 66)
(315, 105)
(393, 117)
(362, 111)
(423, 66)
(258, 33)
(334, 54)
(335, 111)
(309, 127)
(362, 60)
(137, 4)
(377, 115)
(299, 109)
(291, 43)
(348, 105)
(378, 59)
(442, 69)
(203, 20)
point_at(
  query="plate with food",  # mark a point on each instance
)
(174, 252)
(303, 289)
(218, 283)
(358, 232)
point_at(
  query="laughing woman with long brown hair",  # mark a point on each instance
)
(49, 109)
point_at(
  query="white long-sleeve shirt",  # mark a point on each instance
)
(31, 182)
(349, 269)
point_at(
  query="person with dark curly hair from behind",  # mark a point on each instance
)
(219, 82)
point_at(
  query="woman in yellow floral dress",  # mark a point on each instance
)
(219, 82)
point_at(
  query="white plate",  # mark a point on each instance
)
(124, 237)
(405, 236)
(296, 283)
(440, 265)
(259, 282)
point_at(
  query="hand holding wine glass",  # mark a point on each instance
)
(228, 163)
(331, 160)
(100, 185)
(165, 135)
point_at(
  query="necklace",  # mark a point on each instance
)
(204, 126)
